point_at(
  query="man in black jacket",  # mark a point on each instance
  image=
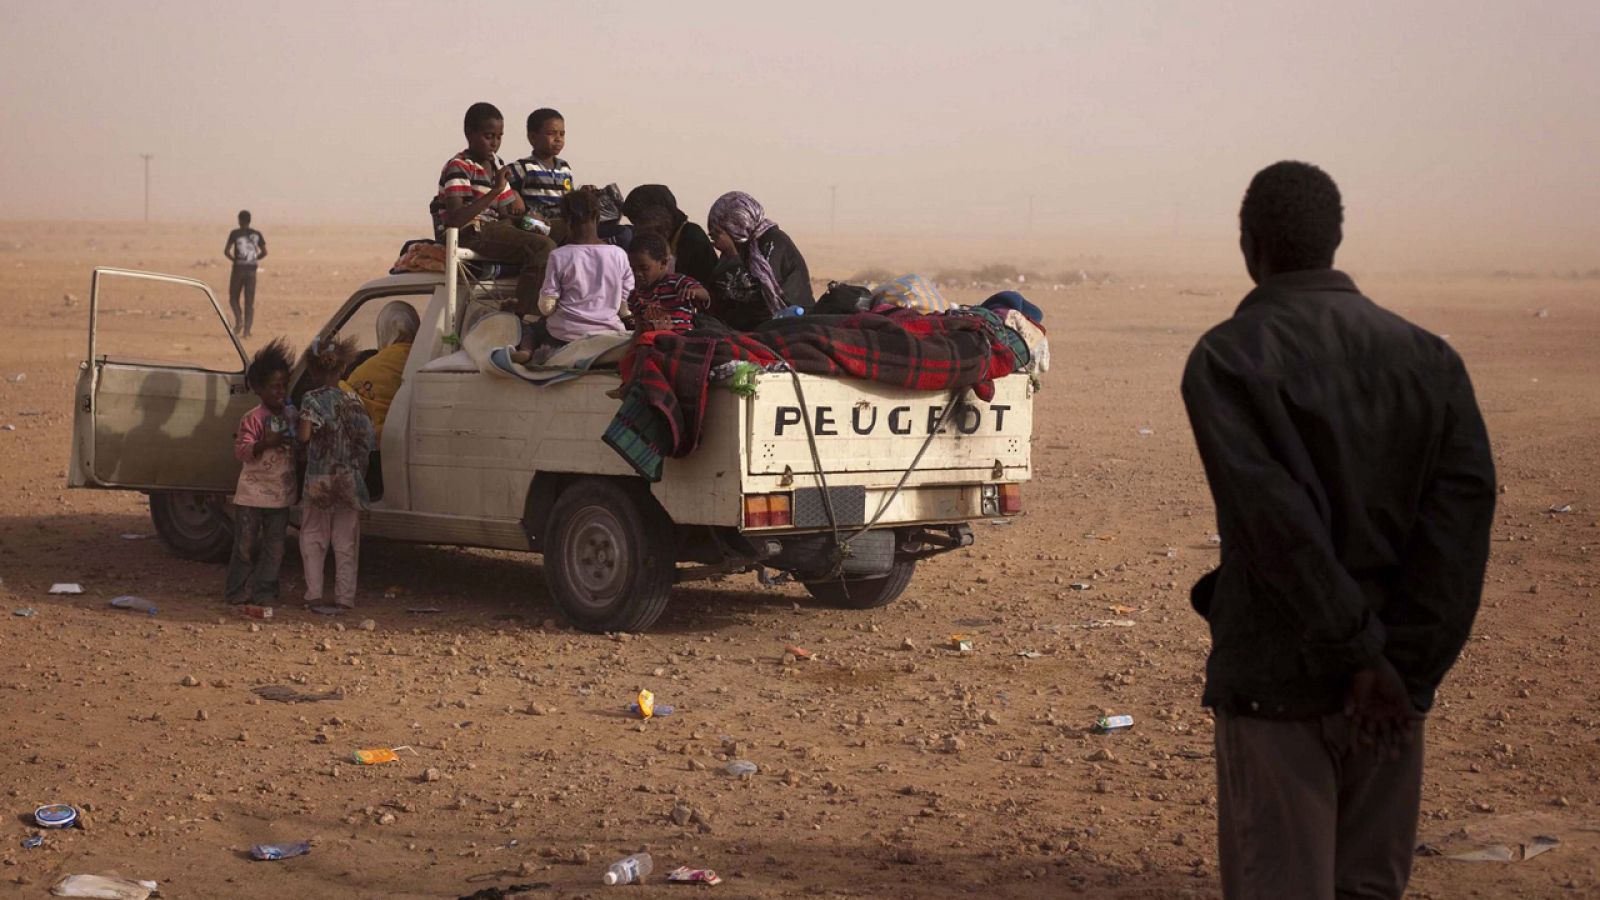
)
(1354, 490)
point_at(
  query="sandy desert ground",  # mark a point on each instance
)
(884, 772)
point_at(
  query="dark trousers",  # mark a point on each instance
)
(1303, 811)
(242, 281)
(502, 242)
(257, 555)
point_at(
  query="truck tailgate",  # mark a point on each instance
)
(864, 427)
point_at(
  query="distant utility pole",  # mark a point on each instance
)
(833, 208)
(147, 157)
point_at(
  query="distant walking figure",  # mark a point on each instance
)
(1354, 491)
(245, 248)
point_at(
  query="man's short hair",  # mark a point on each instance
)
(1295, 215)
(478, 114)
(244, 217)
(543, 114)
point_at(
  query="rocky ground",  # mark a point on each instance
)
(888, 765)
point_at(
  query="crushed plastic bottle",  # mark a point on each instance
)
(138, 603)
(279, 851)
(629, 870)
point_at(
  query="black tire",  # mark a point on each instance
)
(865, 593)
(609, 557)
(193, 525)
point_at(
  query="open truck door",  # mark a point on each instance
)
(164, 427)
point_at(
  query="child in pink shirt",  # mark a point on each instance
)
(585, 283)
(268, 486)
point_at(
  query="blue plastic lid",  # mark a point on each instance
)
(55, 815)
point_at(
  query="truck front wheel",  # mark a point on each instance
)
(193, 525)
(865, 593)
(609, 557)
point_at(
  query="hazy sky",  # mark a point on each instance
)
(1463, 134)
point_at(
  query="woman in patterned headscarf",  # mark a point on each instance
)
(761, 271)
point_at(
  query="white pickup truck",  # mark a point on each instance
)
(474, 460)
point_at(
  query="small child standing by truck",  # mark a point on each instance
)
(337, 434)
(264, 445)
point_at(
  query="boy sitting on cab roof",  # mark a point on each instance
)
(474, 196)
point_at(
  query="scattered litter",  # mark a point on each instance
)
(645, 706)
(961, 643)
(286, 694)
(1121, 610)
(104, 887)
(1029, 654)
(1107, 623)
(1564, 508)
(1506, 853)
(996, 521)
(279, 851)
(423, 610)
(66, 587)
(327, 610)
(18, 378)
(1146, 432)
(55, 815)
(253, 611)
(686, 875)
(131, 602)
(379, 755)
(741, 768)
(34, 842)
(661, 709)
(8, 427)
(1081, 586)
(1542, 314)
(134, 536)
(392, 591)
(1214, 539)
(1112, 724)
(798, 652)
(27, 612)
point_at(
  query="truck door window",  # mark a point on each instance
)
(159, 322)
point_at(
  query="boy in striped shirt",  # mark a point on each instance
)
(543, 178)
(662, 300)
(475, 197)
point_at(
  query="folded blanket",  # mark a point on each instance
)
(666, 375)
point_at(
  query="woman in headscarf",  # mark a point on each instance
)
(760, 271)
(377, 380)
(648, 205)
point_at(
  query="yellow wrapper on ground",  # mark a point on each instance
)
(647, 704)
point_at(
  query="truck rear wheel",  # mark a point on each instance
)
(608, 557)
(865, 593)
(193, 525)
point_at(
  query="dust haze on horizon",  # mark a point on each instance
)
(1462, 137)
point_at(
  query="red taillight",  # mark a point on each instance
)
(757, 511)
(767, 511)
(778, 508)
(1010, 499)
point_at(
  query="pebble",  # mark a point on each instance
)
(368, 625)
(1101, 755)
(908, 644)
(325, 645)
(200, 715)
(680, 815)
(386, 819)
(190, 681)
(432, 775)
(953, 744)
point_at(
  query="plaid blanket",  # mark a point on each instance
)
(666, 376)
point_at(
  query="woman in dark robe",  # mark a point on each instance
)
(760, 272)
